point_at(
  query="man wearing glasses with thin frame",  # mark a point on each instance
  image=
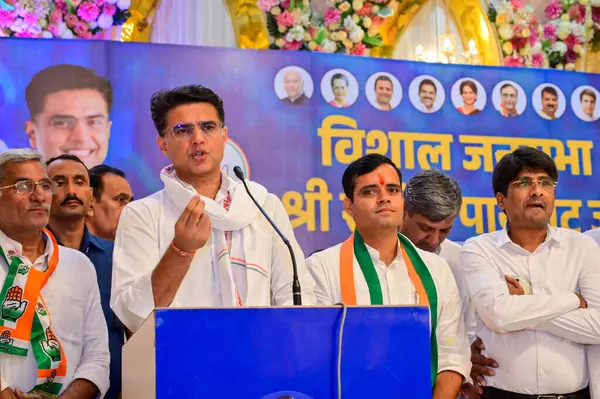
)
(200, 241)
(535, 289)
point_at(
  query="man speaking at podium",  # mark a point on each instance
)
(378, 266)
(200, 241)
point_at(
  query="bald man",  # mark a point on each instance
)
(293, 85)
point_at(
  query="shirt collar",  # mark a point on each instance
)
(374, 254)
(87, 240)
(14, 248)
(552, 234)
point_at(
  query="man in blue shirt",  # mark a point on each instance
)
(70, 205)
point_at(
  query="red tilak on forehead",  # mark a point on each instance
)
(381, 181)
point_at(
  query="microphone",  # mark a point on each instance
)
(296, 293)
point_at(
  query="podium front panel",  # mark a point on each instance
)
(273, 353)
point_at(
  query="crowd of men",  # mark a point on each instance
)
(515, 313)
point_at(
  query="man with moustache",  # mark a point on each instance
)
(294, 87)
(427, 95)
(384, 89)
(378, 266)
(112, 192)
(53, 338)
(69, 109)
(549, 103)
(509, 97)
(200, 241)
(588, 105)
(70, 205)
(535, 289)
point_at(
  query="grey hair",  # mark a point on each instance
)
(434, 195)
(18, 155)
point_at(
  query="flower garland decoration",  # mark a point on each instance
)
(349, 27)
(67, 19)
(519, 33)
(570, 28)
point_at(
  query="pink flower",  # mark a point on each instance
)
(295, 45)
(53, 28)
(61, 6)
(30, 19)
(26, 34)
(596, 14)
(99, 3)
(6, 18)
(550, 32)
(571, 56)
(517, 3)
(332, 16)
(553, 10)
(534, 38)
(571, 41)
(514, 61)
(56, 16)
(359, 49)
(285, 4)
(75, 3)
(71, 20)
(285, 18)
(266, 5)
(577, 13)
(109, 9)
(365, 10)
(88, 11)
(86, 35)
(537, 60)
(80, 28)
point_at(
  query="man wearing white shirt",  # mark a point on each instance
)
(53, 336)
(528, 283)
(200, 241)
(398, 273)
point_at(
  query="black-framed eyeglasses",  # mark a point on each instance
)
(183, 131)
(545, 182)
(24, 187)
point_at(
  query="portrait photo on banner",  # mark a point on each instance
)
(69, 108)
(384, 91)
(293, 85)
(468, 96)
(339, 88)
(549, 101)
(585, 103)
(426, 94)
(509, 99)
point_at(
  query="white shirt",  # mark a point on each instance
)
(145, 231)
(595, 234)
(397, 289)
(538, 340)
(450, 252)
(73, 300)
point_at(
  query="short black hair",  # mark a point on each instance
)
(96, 175)
(64, 77)
(362, 166)
(68, 157)
(550, 90)
(165, 100)
(521, 159)
(383, 78)
(426, 82)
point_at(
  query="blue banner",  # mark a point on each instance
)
(299, 148)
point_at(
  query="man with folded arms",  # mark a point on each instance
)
(53, 337)
(200, 241)
(378, 266)
(528, 282)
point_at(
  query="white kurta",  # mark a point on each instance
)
(538, 340)
(73, 300)
(397, 289)
(145, 231)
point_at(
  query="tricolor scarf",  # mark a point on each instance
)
(235, 236)
(25, 320)
(419, 274)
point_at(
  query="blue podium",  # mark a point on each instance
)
(279, 353)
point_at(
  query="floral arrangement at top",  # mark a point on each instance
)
(349, 27)
(84, 19)
(519, 33)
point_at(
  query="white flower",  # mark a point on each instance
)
(536, 48)
(505, 8)
(506, 32)
(349, 24)
(123, 4)
(357, 35)
(93, 24)
(296, 33)
(300, 17)
(67, 34)
(47, 35)
(576, 28)
(329, 46)
(43, 22)
(105, 21)
(559, 47)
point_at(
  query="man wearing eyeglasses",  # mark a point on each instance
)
(535, 288)
(200, 241)
(69, 109)
(53, 337)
